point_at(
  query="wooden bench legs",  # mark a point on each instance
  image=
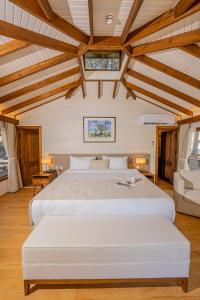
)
(82, 282)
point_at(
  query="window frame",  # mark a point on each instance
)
(4, 177)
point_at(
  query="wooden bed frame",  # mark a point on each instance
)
(85, 283)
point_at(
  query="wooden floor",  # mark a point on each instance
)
(14, 229)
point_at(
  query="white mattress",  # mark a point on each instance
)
(105, 247)
(96, 193)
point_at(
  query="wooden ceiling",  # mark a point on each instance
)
(74, 42)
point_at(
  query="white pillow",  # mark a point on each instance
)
(80, 163)
(117, 163)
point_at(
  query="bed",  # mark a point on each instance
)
(91, 192)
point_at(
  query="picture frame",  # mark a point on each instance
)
(99, 129)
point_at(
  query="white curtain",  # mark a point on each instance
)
(186, 143)
(10, 144)
(183, 145)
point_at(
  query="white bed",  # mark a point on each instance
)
(91, 192)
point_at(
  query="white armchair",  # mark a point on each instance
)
(186, 198)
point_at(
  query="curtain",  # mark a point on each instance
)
(191, 141)
(10, 144)
(183, 145)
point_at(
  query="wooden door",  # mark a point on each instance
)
(168, 155)
(29, 152)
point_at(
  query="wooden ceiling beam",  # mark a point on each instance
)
(9, 120)
(159, 23)
(192, 50)
(158, 98)
(90, 11)
(46, 8)
(35, 68)
(11, 47)
(38, 85)
(106, 43)
(168, 70)
(72, 91)
(34, 8)
(182, 39)
(100, 89)
(83, 87)
(28, 36)
(128, 95)
(189, 120)
(116, 89)
(163, 87)
(40, 97)
(131, 18)
(130, 91)
(182, 6)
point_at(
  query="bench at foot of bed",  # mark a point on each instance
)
(105, 250)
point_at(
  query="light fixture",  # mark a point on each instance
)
(46, 160)
(109, 19)
(140, 161)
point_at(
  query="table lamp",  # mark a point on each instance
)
(46, 160)
(140, 161)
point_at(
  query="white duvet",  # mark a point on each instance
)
(96, 193)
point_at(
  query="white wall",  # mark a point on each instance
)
(62, 123)
(3, 187)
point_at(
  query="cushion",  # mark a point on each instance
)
(191, 178)
(80, 163)
(117, 163)
(99, 164)
(193, 195)
(105, 247)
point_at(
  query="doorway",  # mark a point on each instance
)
(166, 153)
(29, 151)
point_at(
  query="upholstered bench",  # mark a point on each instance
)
(105, 249)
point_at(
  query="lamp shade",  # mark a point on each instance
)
(140, 161)
(46, 160)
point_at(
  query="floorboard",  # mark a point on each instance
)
(14, 229)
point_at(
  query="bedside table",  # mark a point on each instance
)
(42, 179)
(149, 175)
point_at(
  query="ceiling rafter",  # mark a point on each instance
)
(131, 93)
(158, 98)
(33, 7)
(28, 36)
(163, 87)
(115, 89)
(168, 70)
(178, 40)
(11, 47)
(46, 8)
(83, 87)
(100, 88)
(43, 65)
(166, 19)
(73, 90)
(38, 85)
(191, 49)
(182, 6)
(40, 97)
(34, 107)
(91, 22)
(154, 104)
(131, 18)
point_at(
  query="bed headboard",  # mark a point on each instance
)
(63, 159)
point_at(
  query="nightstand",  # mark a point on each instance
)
(42, 179)
(149, 175)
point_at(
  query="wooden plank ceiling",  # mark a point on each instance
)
(42, 43)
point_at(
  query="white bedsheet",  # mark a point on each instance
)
(92, 192)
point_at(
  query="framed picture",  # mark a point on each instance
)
(99, 130)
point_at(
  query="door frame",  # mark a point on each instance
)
(159, 130)
(40, 139)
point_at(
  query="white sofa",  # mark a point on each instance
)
(187, 198)
(105, 249)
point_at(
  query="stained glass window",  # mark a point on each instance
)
(103, 61)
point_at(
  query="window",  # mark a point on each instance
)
(194, 159)
(103, 61)
(3, 159)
